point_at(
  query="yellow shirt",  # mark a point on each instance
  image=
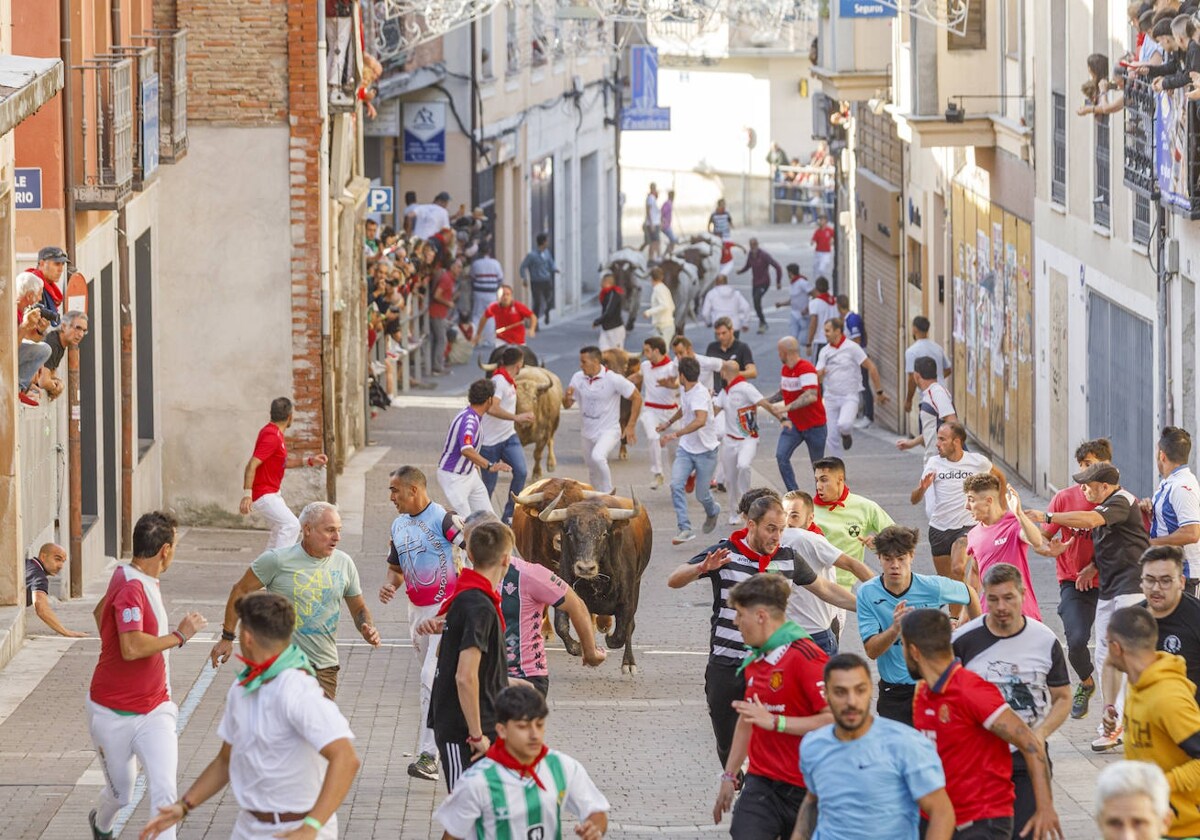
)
(1162, 726)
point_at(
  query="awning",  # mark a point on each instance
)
(26, 84)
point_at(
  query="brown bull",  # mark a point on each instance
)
(599, 545)
(539, 392)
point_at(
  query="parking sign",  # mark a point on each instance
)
(379, 200)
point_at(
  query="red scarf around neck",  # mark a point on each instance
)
(828, 298)
(738, 538)
(840, 501)
(814, 528)
(498, 752)
(257, 669)
(665, 360)
(841, 341)
(471, 579)
(605, 292)
(736, 380)
(503, 371)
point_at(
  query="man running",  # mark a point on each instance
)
(719, 221)
(724, 302)
(612, 314)
(739, 401)
(697, 452)
(659, 401)
(923, 345)
(130, 713)
(784, 673)
(316, 577)
(759, 263)
(264, 476)
(822, 306)
(517, 790)
(726, 346)
(823, 241)
(972, 726)
(421, 559)
(1001, 535)
(510, 316)
(1023, 658)
(1175, 611)
(882, 604)
(486, 277)
(847, 520)
(1175, 508)
(286, 751)
(799, 296)
(935, 408)
(710, 366)
(800, 391)
(460, 465)
(752, 550)
(498, 438)
(599, 391)
(897, 777)
(839, 367)
(661, 311)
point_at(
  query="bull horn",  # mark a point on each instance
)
(553, 515)
(528, 498)
(593, 494)
(548, 512)
(488, 368)
(619, 514)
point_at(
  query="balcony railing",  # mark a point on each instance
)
(171, 45)
(106, 178)
(1058, 170)
(1139, 136)
(1164, 161)
(146, 112)
(1102, 203)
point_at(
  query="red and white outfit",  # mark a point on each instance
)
(794, 380)
(658, 406)
(726, 258)
(271, 449)
(599, 399)
(842, 363)
(510, 321)
(738, 402)
(130, 713)
(822, 240)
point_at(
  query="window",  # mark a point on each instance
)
(1058, 172)
(512, 39)
(1141, 219)
(974, 37)
(1014, 12)
(1102, 202)
(486, 46)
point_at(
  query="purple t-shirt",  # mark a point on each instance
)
(1002, 543)
(667, 207)
(527, 589)
(463, 434)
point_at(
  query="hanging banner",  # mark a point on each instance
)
(643, 113)
(424, 132)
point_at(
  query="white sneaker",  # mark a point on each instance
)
(1108, 742)
(736, 519)
(862, 423)
(683, 536)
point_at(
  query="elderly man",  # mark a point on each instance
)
(315, 577)
(32, 351)
(50, 559)
(70, 333)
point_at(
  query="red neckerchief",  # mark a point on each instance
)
(828, 298)
(470, 579)
(257, 669)
(603, 370)
(814, 528)
(735, 381)
(738, 538)
(56, 294)
(666, 360)
(840, 501)
(605, 292)
(840, 342)
(503, 371)
(498, 752)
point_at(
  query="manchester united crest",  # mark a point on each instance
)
(776, 681)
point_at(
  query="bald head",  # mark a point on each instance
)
(730, 370)
(789, 349)
(53, 557)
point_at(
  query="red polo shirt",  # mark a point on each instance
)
(793, 382)
(789, 681)
(272, 451)
(507, 316)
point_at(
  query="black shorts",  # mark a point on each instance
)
(940, 542)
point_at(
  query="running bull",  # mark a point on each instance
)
(599, 545)
(539, 392)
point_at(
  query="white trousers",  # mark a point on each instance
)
(648, 421)
(465, 494)
(124, 741)
(248, 827)
(840, 412)
(285, 527)
(610, 339)
(425, 648)
(666, 330)
(1105, 608)
(737, 456)
(595, 454)
(823, 265)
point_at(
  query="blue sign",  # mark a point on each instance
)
(379, 200)
(643, 113)
(149, 126)
(27, 188)
(866, 9)
(424, 132)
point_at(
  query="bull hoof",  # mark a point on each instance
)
(629, 668)
(573, 647)
(536, 475)
(624, 456)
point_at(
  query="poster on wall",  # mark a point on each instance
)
(959, 330)
(424, 132)
(972, 336)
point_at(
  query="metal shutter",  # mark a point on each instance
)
(881, 312)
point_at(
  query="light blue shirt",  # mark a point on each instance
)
(876, 606)
(891, 767)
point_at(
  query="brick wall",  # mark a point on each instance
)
(237, 57)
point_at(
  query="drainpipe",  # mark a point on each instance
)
(617, 91)
(324, 266)
(74, 446)
(126, 350)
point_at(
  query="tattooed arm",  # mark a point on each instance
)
(362, 619)
(1012, 729)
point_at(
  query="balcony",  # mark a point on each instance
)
(146, 112)
(171, 46)
(1158, 125)
(106, 176)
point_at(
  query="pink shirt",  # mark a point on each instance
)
(1002, 543)
(526, 591)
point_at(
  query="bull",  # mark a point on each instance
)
(625, 363)
(539, 392)
(598, 544)
(531, 359)
(629, 268)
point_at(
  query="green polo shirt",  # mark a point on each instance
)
(857, 517)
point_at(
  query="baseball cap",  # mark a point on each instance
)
(52, 253)
(443, 196)
(1104, 473)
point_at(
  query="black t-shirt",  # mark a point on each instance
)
(36, 580)
(1119, 544)
(471, 622)
(56, 350)
(1179, 633)
(737, 351)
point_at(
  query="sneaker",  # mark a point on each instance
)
(1108, 742)
(97, 834)
(762, 328)
(1083, 695)
(425, 767)
(847, 442)
(710, 522)
(862, 423)
(690, 484)
(656, 482)
(717, 486)
(736, 519)
(686, 535)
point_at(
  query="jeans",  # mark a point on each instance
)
(1078, 613)
(826, 641)
(512, 453)
(789, 439)
(437, 342)
(31, 355)
(759, 292)
(543, 298)
(703, 464)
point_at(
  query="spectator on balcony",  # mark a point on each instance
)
(38, 570)
(1184, 58)
(339, 31)
(32, 351)
(69, 334)
(1108, 97)
(428, 219)
(52, 261)
(538, 269)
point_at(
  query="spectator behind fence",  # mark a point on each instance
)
(38, 570)
(32, 351)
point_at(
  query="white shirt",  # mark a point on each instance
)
(599, 399)
(726, 302)
(276, 735)
(1177, 503)
(739, 410)
(824, 310)
(655, 395)
(805, 608)
(430, 218)
(843, 368)
(662, 305)
(800, 295)
(493, 430)
(709, 365)
(945, 500)
(926, 347)
(653, 210)
(691, 402)
(934, 407)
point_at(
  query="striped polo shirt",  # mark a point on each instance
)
(486, 276)
(1177, 503)
(463, 434)
(725, 643)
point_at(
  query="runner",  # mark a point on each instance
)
(740, 402)
(725, 346)
(510, 316)
(839, 367)
(823, 241)
(935, 408)
(661, 311)
(971, 724)
(612, 314)
(421, 559)
(800, 391)
(1176, 612)
(882, 604)
(1022, 658)
(747, 552)
(847, 520)
(460, 465)
(709, 365)
(498, 438)
(1002, 535)
(659, 401)
(130, 713)
(799, 296)
(599, 392)
(822, 307)
(1175, 508)
(898, 774)
(286, 750)
(922, 345)
(519, 788)
(697, 452)
(784, 673)
(264, 476)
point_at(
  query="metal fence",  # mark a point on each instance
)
(805, 199)
(1102, 203)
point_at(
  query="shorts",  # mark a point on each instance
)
(940, 542)
(651, 233)
(327, 678)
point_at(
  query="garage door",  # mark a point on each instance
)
(881, 312)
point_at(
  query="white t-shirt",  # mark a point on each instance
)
(653, 210)
(934, 407)
(945, 500)
(739, 410)
(655, 395)
(430, 218)
(691, 402)
(709, 366)
(805, 608)
(599, 399)
(926, 347)
(800, 295)
(824, 310)
(276, 735)
(493, 430)
(843, 368)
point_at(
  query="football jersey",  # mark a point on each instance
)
(133, 603)
(738, 402)
(789, 681)
(1177, 503)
